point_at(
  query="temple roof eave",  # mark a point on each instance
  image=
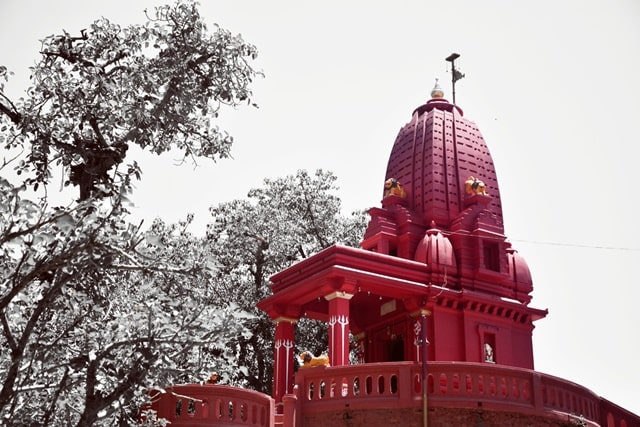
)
(352, 270)
(341, 278)
(349, 258)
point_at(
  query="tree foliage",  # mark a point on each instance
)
(94, 310)
(282, 222)
(157, 85)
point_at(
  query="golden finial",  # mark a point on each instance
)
(437, 91)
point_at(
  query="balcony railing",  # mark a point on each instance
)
(213, 405)
(454, 384)
(392, 385)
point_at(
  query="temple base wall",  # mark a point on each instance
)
(438, 417)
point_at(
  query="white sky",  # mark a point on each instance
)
(552, 86)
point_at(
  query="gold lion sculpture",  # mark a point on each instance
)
(475, 186)
(213, 378)
(310, 361)
(392, 187)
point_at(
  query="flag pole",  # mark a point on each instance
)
(455, 74)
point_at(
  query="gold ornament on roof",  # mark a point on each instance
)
(392, 187)
(475, 186)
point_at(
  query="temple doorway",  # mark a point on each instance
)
(396, 349)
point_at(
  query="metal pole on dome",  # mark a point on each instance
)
(455, 74)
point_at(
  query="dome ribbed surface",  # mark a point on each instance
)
(432, 157)
(436, 251)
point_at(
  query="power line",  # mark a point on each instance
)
(577, 245)
(546, 243)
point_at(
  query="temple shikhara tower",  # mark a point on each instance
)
(429, 321)
(448, 219)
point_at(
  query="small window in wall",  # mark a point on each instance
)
(491, 256)
(489, 348)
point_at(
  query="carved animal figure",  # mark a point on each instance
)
(213, 379)
(309, 360)
(475, 186)
(488, 353)
(393, 188)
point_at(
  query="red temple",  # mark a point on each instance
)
(429, 321)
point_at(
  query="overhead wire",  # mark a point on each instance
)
(576, 245)
(539, 242)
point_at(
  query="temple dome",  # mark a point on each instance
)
(520, 275)
(436, 251)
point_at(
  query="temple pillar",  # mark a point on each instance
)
(283, 357)
(339, 328)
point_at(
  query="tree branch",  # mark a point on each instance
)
(16, 357)
(96, 129)
(7, 332)
(56, 396)
(11, 111)
(6, 237)
(69, 57)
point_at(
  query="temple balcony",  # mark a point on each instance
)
(196, 405)
(390, 394)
